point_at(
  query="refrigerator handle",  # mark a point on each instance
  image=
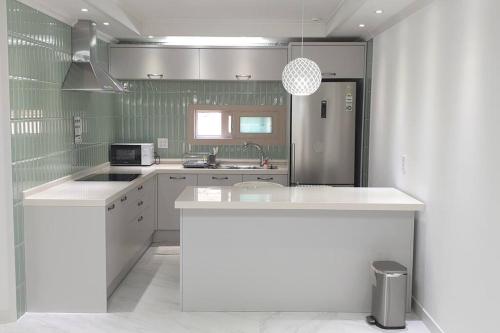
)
(293, 165)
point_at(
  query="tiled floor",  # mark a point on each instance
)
(148, 301)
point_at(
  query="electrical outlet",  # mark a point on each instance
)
(404, 164)
(162, 143)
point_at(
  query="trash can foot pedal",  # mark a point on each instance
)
(370, 320)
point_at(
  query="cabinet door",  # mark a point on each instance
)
(141, 63)
(218, 180)
(170, 187)
(279, 179)
(346, 61)
(115, 241)
(242, 64)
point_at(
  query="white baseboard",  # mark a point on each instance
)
(426, 318)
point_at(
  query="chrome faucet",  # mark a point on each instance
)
(259, 148)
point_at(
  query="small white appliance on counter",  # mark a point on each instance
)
(132, 154)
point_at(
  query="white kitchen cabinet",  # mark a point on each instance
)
(279, 179)
(142, 63)
(85, 251)
(265, 64)
(169, 188)
(218, 180)
(335, 60)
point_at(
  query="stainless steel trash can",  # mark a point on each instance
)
(389, 295)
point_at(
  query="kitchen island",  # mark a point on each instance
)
(290, 248)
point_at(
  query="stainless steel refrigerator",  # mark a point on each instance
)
(323, 136)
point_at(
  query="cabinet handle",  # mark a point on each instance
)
(243, 76)
(329, 74)
(154, 76)
(220, 178)
(177, 178)
(265, 178)
(140, 188)
(140, 203)
(123, 199)
(140, 219)
(111, 207)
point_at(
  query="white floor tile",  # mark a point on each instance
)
(148, 302)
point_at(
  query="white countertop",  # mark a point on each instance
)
(307, 197)
(68, 192)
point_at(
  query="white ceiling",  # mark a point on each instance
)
(138, 19)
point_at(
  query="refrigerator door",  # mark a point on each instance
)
(323, 135)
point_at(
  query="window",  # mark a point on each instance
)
(256, 125)
(209, 124)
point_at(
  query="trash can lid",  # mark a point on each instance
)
(388, 267)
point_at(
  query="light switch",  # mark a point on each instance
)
(404, 162)
(162, 143)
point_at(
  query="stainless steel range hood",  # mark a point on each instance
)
(85, 73)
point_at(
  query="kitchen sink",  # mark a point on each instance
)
(238, 166)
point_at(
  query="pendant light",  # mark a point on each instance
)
(301, 76)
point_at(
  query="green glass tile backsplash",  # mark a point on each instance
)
(42, 114)
(157, 109)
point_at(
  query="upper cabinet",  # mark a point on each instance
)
(265, 64)
(141, 63)
(341, 60)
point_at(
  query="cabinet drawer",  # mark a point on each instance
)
(142, 63)
(170, 187)
(264, 64)
(346, 61)
(218, 180)
(279, 179)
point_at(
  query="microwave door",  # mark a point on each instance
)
(126, 155)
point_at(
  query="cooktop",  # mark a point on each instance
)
(110, 177)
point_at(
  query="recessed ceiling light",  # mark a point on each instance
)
(84, 10)
(105, 23)
(151, 36)
(379, 11)
(361, 25)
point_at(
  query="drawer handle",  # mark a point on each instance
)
(140, 203)
(140, 219)
(140, 188)
(111, 207)
(154, 76)
(265, 178)
(124, 199)
(329, 74)
(177, 178)
(220, 178)
(243, 76)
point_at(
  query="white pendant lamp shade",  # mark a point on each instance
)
(301, 77)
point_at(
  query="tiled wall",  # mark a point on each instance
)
(157, 109)
(42, 115)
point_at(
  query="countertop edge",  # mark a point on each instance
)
(301, 206)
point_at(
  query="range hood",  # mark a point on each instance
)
(85, 73)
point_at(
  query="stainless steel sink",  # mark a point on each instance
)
(238, 166)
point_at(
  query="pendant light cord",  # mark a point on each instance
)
(302, 32)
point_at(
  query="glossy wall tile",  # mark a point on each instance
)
(157, 109)
(42, 114)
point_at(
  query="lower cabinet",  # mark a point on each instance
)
(130, 223)
(279, 179)
(218, 180)
(170, 187)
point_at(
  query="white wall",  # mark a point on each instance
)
(7, 264)
(436, 99)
